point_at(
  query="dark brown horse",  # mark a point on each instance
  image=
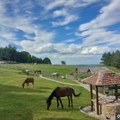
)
(61, 92)
(38, 71)
(27, 81)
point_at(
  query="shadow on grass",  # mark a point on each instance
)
(45, 88)
(56, 119)
(66, 109)
(15, 105)
(6, 88)
(16, 114)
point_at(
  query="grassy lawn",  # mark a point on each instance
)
(17, 103)
(114, 69)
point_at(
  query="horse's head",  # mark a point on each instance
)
(23, 85)
(48, 103)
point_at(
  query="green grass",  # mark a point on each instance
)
(17, 103)
(114, 69)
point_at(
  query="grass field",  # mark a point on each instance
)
(17, 103)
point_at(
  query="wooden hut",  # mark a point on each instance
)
(91, 69)
(100, 79)
(94, 69)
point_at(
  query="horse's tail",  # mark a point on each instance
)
(76, 95)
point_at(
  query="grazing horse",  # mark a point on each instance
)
(38, 71)
(26, 71)
(61, 92)
(55, 75)
(27, 81)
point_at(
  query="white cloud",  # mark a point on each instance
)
(65, 49)
(69, 40)
(2, 10)
(62, 12)
(99, 36)
(95, 50)
(68, 19)
(40, 42)
(67, 10)
(69, 3)
(95, 35)
(37, 40)
(109, 15)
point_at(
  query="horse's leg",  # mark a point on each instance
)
(61, 102)
(57, 102)
(33, 84)
(28, 85)
(71, 101)
(68, 101)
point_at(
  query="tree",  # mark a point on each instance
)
(116, 59)
(39, 60)
(106, 59)
(34, 59)
(63, 62)
(46, 61)
(11, 54)
(111, 59)
(8, 53)
(24, 57)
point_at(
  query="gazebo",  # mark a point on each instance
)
(102, 79)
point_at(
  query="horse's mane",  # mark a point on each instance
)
(52, 95)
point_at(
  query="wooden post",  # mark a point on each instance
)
(97, 103)
(116, 91)
(91, 94)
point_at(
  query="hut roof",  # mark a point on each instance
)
(97, 69)
(92, 69)
(83, 68)
(103, 78)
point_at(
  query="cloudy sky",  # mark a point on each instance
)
(75, 31)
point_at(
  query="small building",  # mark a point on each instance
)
(7, 62)
(97, 69)
(82, 69)
(101, 105)
(91, 69)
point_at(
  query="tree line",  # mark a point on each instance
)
(10, 53)
(111, 59)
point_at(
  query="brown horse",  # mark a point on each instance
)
(27, 81)
(61, 92)
(38, 71)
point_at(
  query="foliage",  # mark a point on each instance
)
(11, 54)
(8, 53)
(63, 62)
(111, 59)
(46, 61)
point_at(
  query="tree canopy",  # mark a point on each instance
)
(111, 59)
(63, 62)
(10, 53)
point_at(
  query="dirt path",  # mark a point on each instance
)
(86, 86)
(59, 81)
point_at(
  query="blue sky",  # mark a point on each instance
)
(74, 31)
